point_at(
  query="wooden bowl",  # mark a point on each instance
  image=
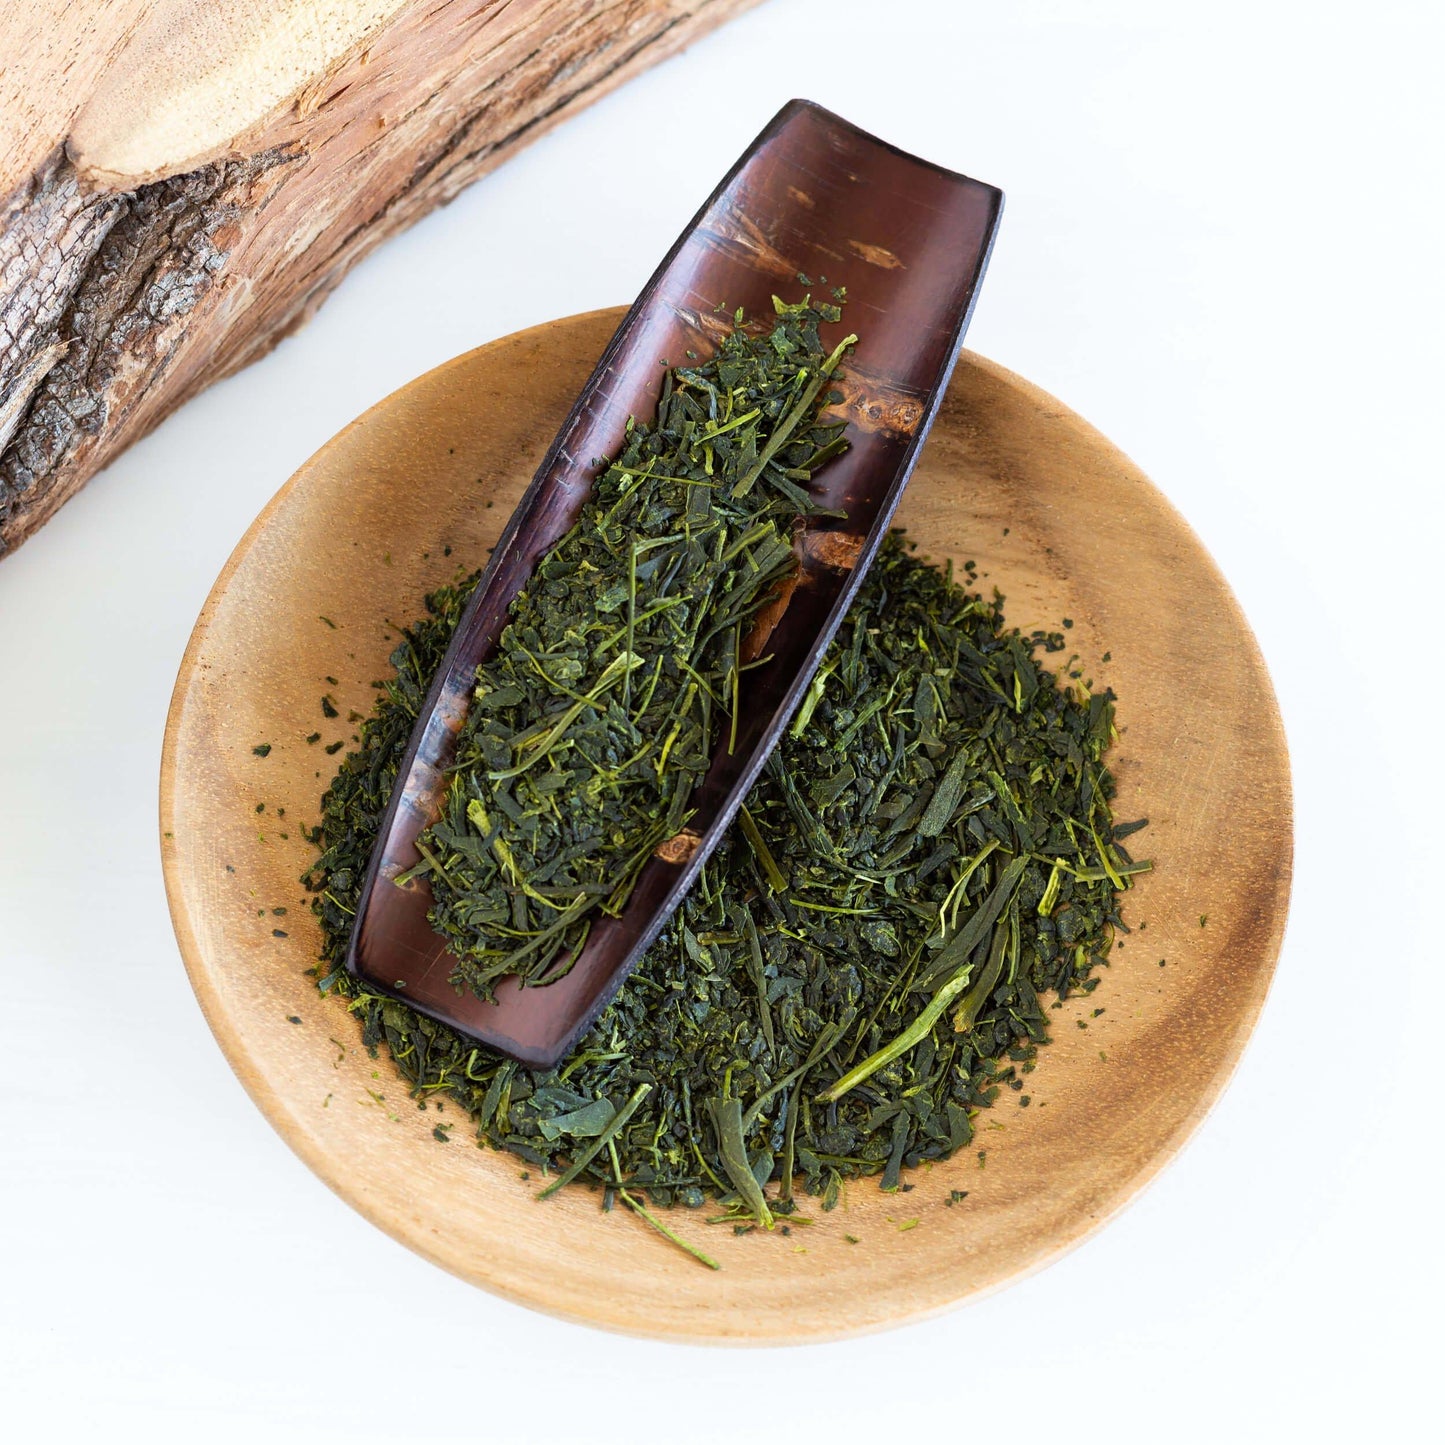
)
(1056, 518)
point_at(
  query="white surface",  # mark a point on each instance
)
(1222, 246)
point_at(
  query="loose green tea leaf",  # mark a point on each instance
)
(635, 1204)
(604, 1138)
(600, 710)
(844, 988)
(727, 1121)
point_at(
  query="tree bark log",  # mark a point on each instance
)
(121, 297)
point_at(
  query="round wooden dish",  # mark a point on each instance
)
(1056, 518)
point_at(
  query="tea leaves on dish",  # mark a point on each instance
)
(864, 962)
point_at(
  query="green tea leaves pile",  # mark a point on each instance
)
(864, 963)
(619, 666)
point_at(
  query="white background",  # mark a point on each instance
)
(1222, 246)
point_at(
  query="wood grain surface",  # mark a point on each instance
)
(1056, 518)
(183, 182)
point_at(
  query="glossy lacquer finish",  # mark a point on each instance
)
(815, 196)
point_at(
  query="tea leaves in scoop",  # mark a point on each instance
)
(617, 674)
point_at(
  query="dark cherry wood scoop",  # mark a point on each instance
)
(815, 196)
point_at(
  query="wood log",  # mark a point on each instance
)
(182, 183)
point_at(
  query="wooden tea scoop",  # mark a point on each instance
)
(812, 196)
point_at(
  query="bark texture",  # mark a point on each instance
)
(117, 305)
